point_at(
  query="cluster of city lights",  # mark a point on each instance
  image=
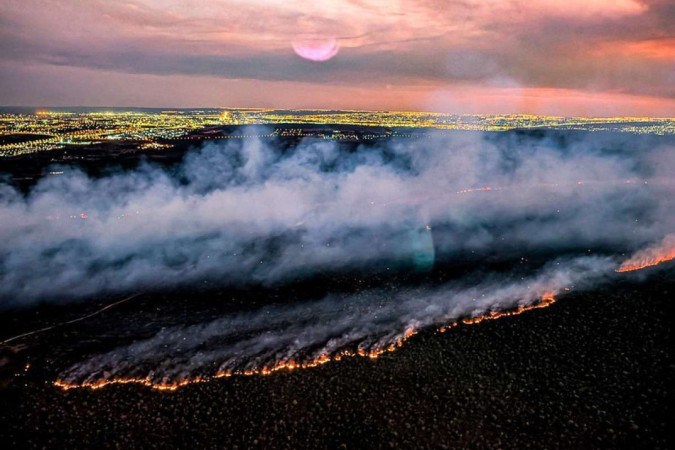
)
(156, 129)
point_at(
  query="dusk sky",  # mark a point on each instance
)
(572, 57)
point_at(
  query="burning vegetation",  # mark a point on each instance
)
(373, 353)
(652, 256)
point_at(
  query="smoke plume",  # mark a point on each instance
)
(249, 212)
(253, 212)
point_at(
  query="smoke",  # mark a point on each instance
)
(252, 212)
(365, 323)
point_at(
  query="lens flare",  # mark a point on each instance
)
(422, 245)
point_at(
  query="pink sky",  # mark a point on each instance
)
(577, 57)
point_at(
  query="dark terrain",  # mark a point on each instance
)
(594, 370)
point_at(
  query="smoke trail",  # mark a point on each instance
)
(366, 323)
(249, 212)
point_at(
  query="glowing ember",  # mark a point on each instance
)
(651, 256)
(290, 365)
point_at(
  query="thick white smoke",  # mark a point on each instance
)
(246, 212)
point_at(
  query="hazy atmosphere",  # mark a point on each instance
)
(579, 57)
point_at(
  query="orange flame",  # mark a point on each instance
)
(651, 256)
(290, 365)
(546, 300)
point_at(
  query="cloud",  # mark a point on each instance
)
(542, 45)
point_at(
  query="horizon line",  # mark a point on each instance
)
(183, 108)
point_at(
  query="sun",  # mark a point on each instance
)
(316, 49)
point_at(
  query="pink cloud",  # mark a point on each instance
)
(619, 49)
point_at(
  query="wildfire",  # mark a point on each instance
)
(160, 386)
(290, 365)
(651, 256)
(546, 300)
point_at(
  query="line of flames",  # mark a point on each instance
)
(640, 261)
(545, 301)
(634, 264)
(651, 256)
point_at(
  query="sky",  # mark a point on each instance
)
(572, 57)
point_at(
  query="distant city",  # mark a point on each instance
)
(25, 131)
